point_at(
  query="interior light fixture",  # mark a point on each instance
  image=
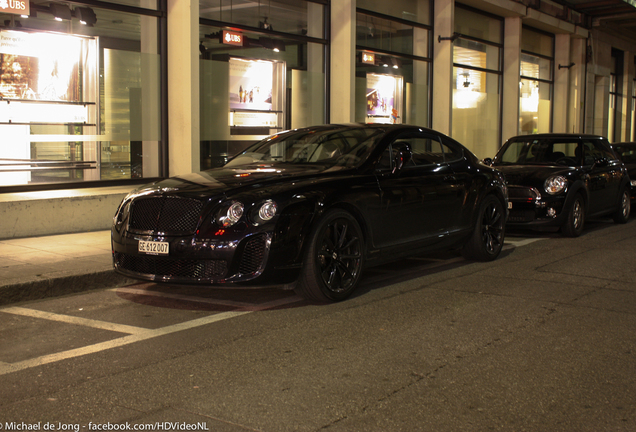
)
(86, 16)
(60, 12)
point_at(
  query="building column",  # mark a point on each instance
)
(511, 74)
(626, 100)
(183, 87)
(561, 80)
(576, 97)
(444, 25)
(343, 66)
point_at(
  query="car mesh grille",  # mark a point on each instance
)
(521, 192)
(253, 255)
(165, 214)
(192, 269)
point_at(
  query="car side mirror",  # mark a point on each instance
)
(601, 162)
(402, 155)
(487, 161)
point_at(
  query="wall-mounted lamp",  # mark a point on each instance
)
(566, 67)
(450, 38)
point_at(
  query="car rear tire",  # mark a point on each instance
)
(487, 239)
(334, 258)
(624, 207)
(573, 226)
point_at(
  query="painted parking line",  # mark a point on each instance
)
(6, 368)
(244, 306)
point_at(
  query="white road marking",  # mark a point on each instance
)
(6, 368)
(103, 325)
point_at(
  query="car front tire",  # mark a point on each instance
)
(573, 226)
(487, 239)
(334, 259)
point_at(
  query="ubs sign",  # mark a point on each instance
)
(20, 7)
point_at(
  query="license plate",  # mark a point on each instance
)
(153, 247)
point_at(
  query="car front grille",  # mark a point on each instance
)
(253, 255)
(165, 214)
(191, 269)
(523, 193)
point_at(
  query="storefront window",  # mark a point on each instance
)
(79, 98)
(254, 84)
(477, 81)
(409, 10)
(392, 70)
(536, 82)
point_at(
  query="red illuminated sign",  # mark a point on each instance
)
(232, 38)
(368, 57)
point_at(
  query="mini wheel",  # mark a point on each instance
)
(621, 215)
(573, 226)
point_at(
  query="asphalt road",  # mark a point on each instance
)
(542, 339)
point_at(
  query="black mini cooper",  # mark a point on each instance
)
(558, 180)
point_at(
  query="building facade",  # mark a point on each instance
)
(101, 93)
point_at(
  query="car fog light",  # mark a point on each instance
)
(551, 212)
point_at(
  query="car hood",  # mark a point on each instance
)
(531, 175)
(232, 179)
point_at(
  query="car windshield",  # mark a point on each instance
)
(539, 152)
(342, 147)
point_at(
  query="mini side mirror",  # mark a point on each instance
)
(487, 161)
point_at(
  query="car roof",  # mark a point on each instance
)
(556, 136)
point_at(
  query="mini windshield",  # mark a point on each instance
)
(539, 152)
(343, 147)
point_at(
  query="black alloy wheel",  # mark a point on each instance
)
(573, 226)
(624, 207)
(488, 236)
(334, 259)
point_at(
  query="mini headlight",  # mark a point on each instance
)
(231, 214)
(555, 184)
(267, 210)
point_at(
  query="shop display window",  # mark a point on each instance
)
(536, 82)
(476, 81)
(254, 83)
(392, 82)
(79, 96)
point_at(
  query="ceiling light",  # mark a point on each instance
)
(60, 12)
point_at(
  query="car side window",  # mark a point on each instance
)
(594, 151)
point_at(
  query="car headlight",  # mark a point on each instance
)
(555, 184)
(230, 214)
(265, 212)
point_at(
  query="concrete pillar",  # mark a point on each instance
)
(343, 51)
(183, 87)
(444, 25)
(576, 93)
(626, 100)
(511, 73)
(561, 79)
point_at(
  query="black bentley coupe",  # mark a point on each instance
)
(559, 180)
(310, 208)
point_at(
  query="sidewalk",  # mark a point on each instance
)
(39, 267)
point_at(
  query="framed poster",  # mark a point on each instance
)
(384, 98)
